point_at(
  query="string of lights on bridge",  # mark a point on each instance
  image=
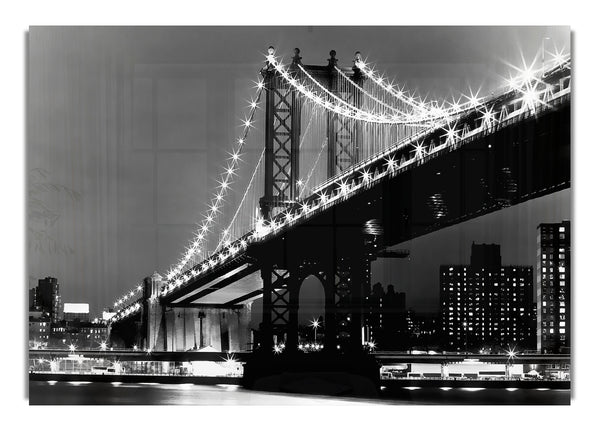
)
(525, 85)
(195, 248)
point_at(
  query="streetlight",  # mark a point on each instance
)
(315, 324)
(103, 346)
(511, 355)
(72, 348)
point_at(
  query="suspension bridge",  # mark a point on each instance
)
(347, 166)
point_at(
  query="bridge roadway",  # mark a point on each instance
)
(384, 358)
(521, 158)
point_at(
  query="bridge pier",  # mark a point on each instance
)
(224, 329)
(342, 265)
(173, 328)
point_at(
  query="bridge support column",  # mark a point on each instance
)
(331, 327)
(266, 326)
(221, 328)
(359, 284)
(276, 306)
(153, 314)
(292, 329)
(344, 134)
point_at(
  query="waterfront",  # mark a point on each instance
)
(116, 393)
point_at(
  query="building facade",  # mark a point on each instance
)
(39, 329)
(82, 335)
(553, 283)
(485, 305)
(47, 298)
(422, 330)
(73, 311)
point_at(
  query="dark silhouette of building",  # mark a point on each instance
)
(385, 320)
(32, 299)
(553, 284)
(486, 256)
(47, 298)
(485, 304)
(422, 330)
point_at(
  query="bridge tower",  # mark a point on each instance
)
(340, 258)
(343, 134)
(282, 128)
(282, 135)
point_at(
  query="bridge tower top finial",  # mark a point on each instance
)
(332, 60)
(357, 60)
(296, 59)
(268, 67)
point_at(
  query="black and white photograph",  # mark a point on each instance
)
(299, 215)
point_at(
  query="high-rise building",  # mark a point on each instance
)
(385, 320)
(553, 282)
(422, 329)
(47, 297)
(32, 299)
(485, 304)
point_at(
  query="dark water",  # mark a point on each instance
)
(189, 394)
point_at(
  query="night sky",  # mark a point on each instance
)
(127, 129)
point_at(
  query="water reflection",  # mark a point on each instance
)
(53, 393)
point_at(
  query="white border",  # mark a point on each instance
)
(582, 19)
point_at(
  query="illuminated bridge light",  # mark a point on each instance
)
(437, 205)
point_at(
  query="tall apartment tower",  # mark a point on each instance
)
(485, 304)
(553, 282)
(385, 320)
(47, 297)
